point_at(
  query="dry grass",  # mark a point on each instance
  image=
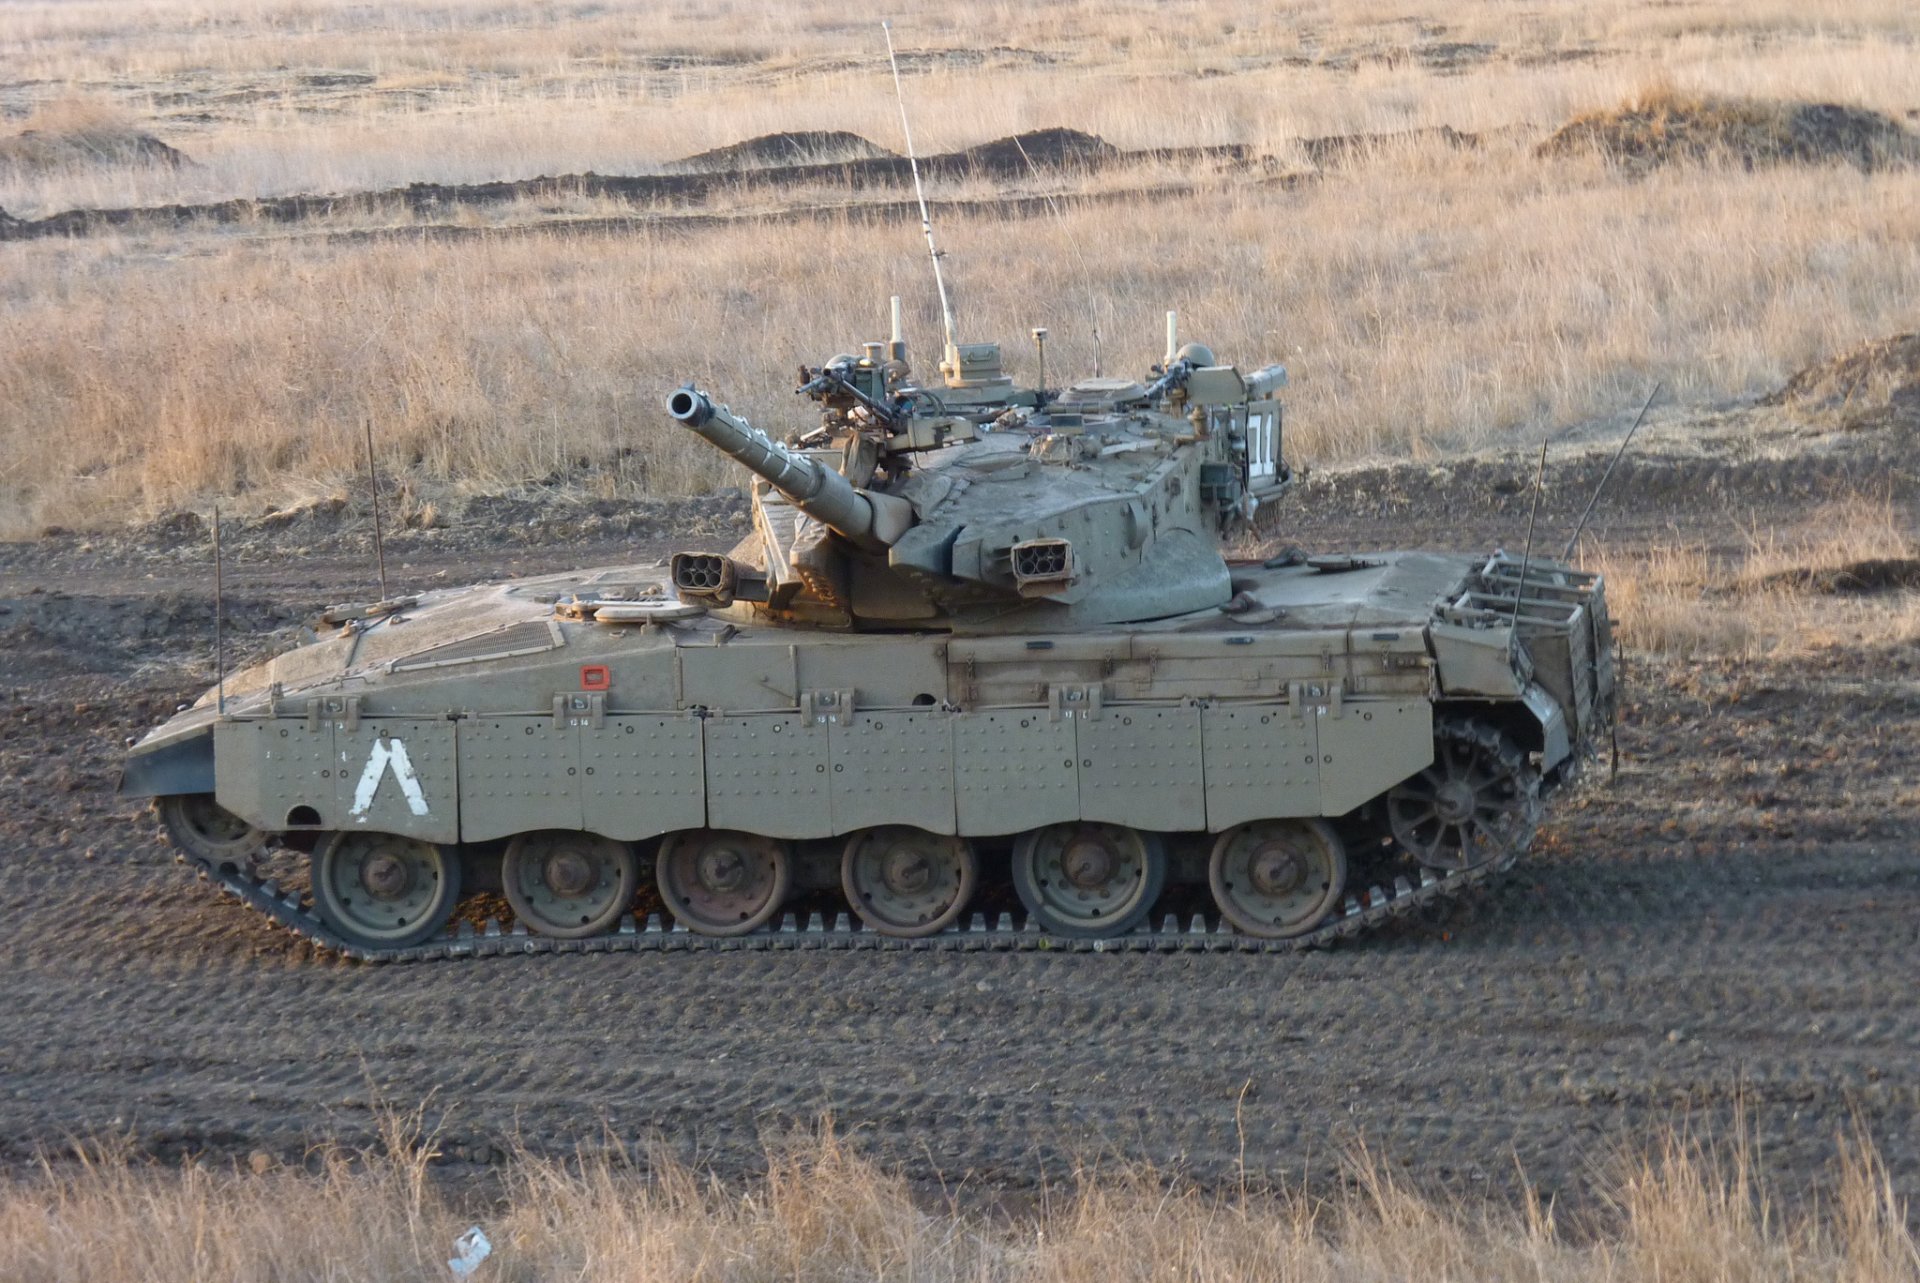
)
(277, 96)
(1680, 1214)
(1437, 303)
(1776, 597)
(1426, 298)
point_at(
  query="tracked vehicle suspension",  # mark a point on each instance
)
(1360, 912)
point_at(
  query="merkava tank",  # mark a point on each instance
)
(979, 677)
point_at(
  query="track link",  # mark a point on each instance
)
(1203, 933)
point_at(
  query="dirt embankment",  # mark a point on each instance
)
(1874, 386)
(1656, 128)
(72, 133)
(1663, 127)
(698, 189)
(1018, 158)
(782, 150)
(1840, 429)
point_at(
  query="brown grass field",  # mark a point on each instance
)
(1462, 226)
(1680, 1213)
(1429, 297)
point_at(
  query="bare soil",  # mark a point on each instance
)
(1726, 931)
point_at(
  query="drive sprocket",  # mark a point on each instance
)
(1476, 804)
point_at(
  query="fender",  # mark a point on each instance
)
(183, 766)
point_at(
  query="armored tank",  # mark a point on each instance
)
(979, 677)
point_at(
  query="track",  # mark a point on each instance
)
(1378, 906)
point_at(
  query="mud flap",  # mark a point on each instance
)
(1556, 744)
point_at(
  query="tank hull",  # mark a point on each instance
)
(593, 704)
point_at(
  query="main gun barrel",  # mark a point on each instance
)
(870, 520)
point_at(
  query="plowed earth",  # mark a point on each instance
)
(1729, 929)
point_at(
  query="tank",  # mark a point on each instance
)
(980, 676)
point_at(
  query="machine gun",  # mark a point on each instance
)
(838, 386)
(1173, 378)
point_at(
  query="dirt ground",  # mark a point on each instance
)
(1727, 931)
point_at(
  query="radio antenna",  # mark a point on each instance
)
(1080, 259)
(379, 544)
(1608, 474)
(952, 354)
(219, 622)
(1526, 554)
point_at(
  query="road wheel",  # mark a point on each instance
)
(380, 891)
(569, 885)
(717, 882)
(208, 832)
(1089, 880)
(1278, 878)
(906, 882)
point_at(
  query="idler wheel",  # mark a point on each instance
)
(717, 882)
(906, 882)
(1277, 878)
(569, 885)
(1478, 802)
(208, 832)
(380, 891)
(1089, 880)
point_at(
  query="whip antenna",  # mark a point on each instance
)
(219, 622)
(1093, 303)
(379, 545)
(920, 194)
(1608, 474)
(1526, 554)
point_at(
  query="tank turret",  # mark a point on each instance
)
(978, 502)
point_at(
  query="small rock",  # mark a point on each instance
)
(260, 1161)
